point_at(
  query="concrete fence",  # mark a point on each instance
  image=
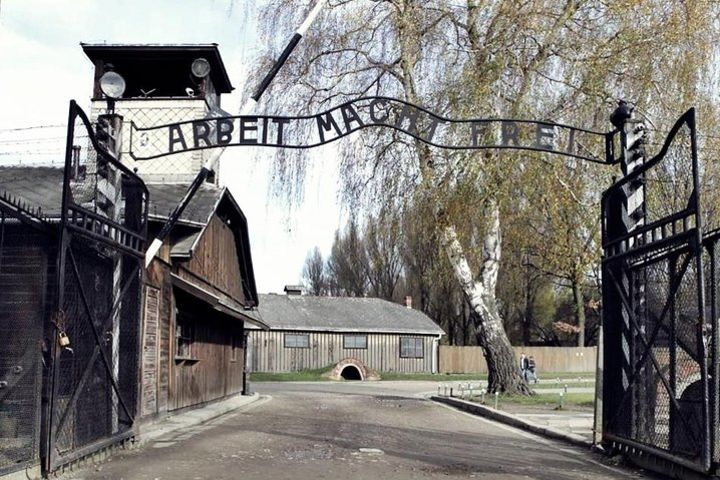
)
(547, 359)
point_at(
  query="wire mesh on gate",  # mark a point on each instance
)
(31, 162)
(654, 315)
(26, 269)
(712, 275)
(104, 217)
(95, 395)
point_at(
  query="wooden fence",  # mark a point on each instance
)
(547, 359)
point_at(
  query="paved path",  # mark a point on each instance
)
(348, 431)
(580, 423)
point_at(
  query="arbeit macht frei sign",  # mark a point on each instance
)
(315, 130)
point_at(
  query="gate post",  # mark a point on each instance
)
(623, 212)
(109, 188)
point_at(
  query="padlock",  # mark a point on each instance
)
(63, 339)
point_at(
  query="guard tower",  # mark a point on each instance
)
(163, 84)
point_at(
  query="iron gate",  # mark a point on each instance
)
(94, 377)
(70, 297)
(25, 251)
(656, 390)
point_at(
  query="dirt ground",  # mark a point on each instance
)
(353, 431)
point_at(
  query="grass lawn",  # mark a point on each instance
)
(316, 376)
(585, 382)
(542, 400)
(301, 376)
(586, 379)
(429, 377)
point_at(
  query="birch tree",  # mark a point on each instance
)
(563, 60)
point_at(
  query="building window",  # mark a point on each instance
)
(294, 340)
(184, 338)
(355, 341)
(411, 347)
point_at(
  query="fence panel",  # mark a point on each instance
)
(548, 359)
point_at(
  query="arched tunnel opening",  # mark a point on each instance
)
(351, 372)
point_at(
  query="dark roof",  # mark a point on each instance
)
(42, 187)
(165, 197)
(38, 187)
(184, 245)
(342, 314)
(129, 58)
(205, 203)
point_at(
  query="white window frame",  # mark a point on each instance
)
(294, 340)
(353, 344)
(409, 347)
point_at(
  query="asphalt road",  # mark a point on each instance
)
(353, 430)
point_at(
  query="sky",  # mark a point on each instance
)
(43, 67)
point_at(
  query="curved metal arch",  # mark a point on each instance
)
(460, 134)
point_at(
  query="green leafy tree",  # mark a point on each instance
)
(563, 60)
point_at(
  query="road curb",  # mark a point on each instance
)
(192, 418)
(514, 421)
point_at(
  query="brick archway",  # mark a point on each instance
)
(351, 372)
(363, 371)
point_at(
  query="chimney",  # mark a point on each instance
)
(408, 301)
(293, 289)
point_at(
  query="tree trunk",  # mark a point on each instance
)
(526, 311)
(503, 368)
(451, 331)
(466, 322)
(579, 312)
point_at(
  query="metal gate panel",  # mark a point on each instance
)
(95, 369)
(23, 281)
(712, 250)
(656, 387)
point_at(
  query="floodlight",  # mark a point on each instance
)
(112, 85)
(200, 67)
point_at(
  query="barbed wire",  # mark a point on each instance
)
(32, 127)
(36, 140)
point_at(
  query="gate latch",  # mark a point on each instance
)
(59, 320)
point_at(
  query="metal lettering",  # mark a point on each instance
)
(571, 142)
(224, 127)
(425, 126)
(324, 125)
(434, 122)
(350, 115)
(373, 115)
(477, 129)
(264, 131)
(173, 140)
(410, 113)
(280, 122)
(248, 124)
(510, 131)
(542, 134)
(201, 131)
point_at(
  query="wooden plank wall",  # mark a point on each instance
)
(171, 383)
(215, 260)
(212, 374)
(158, 276)
(548, 359)
(150, 351)
(269, 354)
